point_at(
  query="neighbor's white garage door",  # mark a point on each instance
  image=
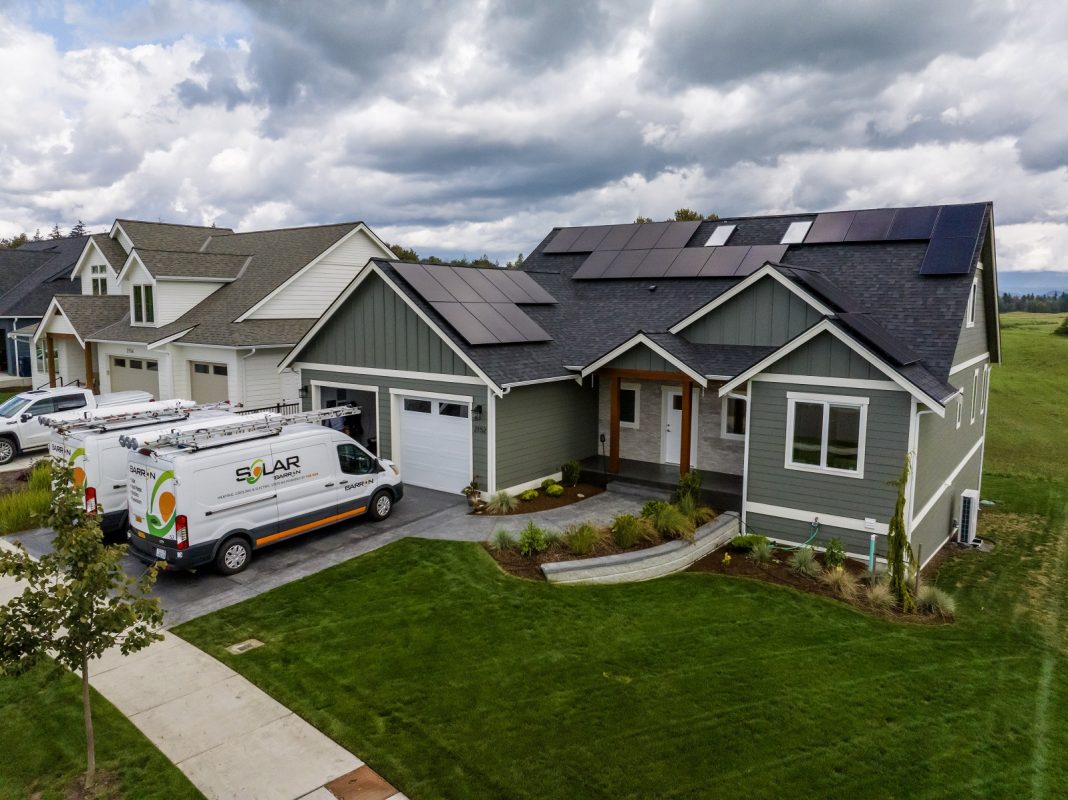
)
(135, 374)
(435, 449)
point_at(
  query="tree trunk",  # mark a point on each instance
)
(90, 740)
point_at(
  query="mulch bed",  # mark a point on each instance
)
(13, 480)
(572, 494)
(521, 566)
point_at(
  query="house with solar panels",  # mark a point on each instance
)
(796, 361)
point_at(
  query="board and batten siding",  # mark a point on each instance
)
(540, 427)
(641, 357)
(765, 314)
(871, 497)
(375, 328)
(476, 394)
(311, 293)
(827, 357)
(172, 299)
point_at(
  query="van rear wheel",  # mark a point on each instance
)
(233, 556)
(381, 505)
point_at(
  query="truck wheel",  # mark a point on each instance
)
(8, 450)
(233, 556)
(381, 505)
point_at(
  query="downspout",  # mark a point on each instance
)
(914, 449)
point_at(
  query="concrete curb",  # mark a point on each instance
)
(644, 565)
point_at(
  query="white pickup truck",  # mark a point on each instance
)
(20, 425)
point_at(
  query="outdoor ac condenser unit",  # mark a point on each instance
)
(968, 514)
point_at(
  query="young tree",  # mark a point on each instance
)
(76, 602)
(77, 230)
(55, 233)
(687, 215)
(14, 242)
(404, 253)
(37, 236)
(517, 264)
(897, 545)
(643, 220)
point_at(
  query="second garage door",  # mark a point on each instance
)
(208, 383)
(135, 374)
(435, 449)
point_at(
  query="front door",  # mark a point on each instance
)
(671, 426)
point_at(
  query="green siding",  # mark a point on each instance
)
(937, 523)
(375, 328)
(641, 357)
(826, 356)
(540, 427)
(789, 530)
(767, 313)
(476, 392)
(769, 481)
(973, 341)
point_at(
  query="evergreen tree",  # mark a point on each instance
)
(77, 230)
(517, 264)
(55, 233)
(897, 545)
(37, 236)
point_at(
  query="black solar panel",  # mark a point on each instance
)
(518, 319)
(589, 239)
(689, 262)
(492, 320)
(465, 324)
(830, 227)
(949, 256)
(624, 264)
(913, 223)
(647, 235)
(656, 263)
(527, 284)
(460, 289)
(617, 237)
(870, 226)
(959, 221)
(678, 234)
(757, 255)
(479, 280)
(724, 261)
(563, 240)
(419, 279)
(596, 264)
(879, 338)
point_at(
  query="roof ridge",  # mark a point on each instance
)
(171, 224)
(300, 227)
(190, 252)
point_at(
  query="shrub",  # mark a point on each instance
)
(650, 508)
(842, 582)
(571, 472)
(582, 539)
(553, 540)
(879, 596)
(804, 562)
(1062, 329)
(545, 484)
(697, 514)
(24, 509)
(671, 523)
(834, 556)
(532, 540)
(501, 503)
(932, 600)
(502, 540)
(555, 490)
(746, 542)
(628, 530)
(760, 551)
(689, 486)
(40, 477)
(528, 495)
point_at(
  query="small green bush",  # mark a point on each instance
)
(689, 486)
(804, 562)
(40, 477)
(528, 495)
(501, 503)
(760, 551)
(571, 472)
(697, 514)
(932, 600)
(834, 555)
(671, 523)
(842, 582)
(502, 540)
(555, 490)
(582, 539)
(553, 540)
(650, 508)
(746, 542)
(628, 530)
(532, 540)
(24, 509)
(878, 595)
(545, 484)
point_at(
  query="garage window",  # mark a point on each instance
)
(452, 410)
(218, 369)
(135, 363)
(200, 369)
(152, 366)
(420, 406)
(120, 362)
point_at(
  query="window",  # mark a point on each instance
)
(975, 394)
(973, 299)
(825, 433)
(452, 410)
(143, 311)
(629, 397)
(960, 407)
(419, 406)
(135, 363)
(201, 369)
(986, 390)
(99, 274)
(218, 369)
(70, 402)
(41, 354)
(120, 362)
(41, 407)
(796, 233)
(354, 461)
(720, 236)
(152, 366)
(734, 416)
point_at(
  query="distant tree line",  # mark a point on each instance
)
(682, 215)
(1050, 303)
(15, 242)
(408, 254)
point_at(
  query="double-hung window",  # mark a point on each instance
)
(975, 394)
(734, 416)
(825, 433)
(99, 274)
(143, 311)
(973, 299)
(629, 404)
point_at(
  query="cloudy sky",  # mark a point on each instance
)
(463, 128)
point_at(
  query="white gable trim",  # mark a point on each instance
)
(826, 326)
(642, 339)
(360, 228)
(118, 234)
(167, 340)
(764, 272)
(371, 268)
(85, 252)
(54, 306)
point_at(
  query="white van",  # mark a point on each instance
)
(213, 498)
(97, 451)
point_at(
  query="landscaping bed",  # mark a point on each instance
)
(544, 502)
(512, 561)
(24, 497)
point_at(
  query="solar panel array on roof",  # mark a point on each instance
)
(954, 239)
(634, 236)
(679, 262)
(481, 304)
(720, 235)
(889, 224)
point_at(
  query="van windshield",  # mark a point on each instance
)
(13, 405)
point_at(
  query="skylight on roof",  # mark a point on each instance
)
(795, 234)
(720, 236)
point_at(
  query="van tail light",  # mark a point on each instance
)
(181, 530)
(90, 499)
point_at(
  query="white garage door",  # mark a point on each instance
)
(208, 383)
(435, 449)
(135, 374)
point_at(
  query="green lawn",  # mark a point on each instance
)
(43, 746)
(455, 680)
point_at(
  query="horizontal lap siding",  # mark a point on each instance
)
(937, 524)
(766, 314)
(769, 481)
(264, 385)
(172, 299)
(788, 530)
(540, 427)
(973, 341)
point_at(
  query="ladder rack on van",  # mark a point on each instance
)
(221, 435)
(131, 419)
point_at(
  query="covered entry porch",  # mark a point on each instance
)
(721, 490)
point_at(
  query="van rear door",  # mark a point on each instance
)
(152, 496)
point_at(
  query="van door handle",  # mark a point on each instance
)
(329, 485)
(344, 481)
(118, 486)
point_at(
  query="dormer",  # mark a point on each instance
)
(120, 236)
(163, 285)
(98, 266)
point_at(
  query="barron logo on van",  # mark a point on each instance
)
(259, 468)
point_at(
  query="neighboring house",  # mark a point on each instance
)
(198, 312)
(795, 360)
(29, 277)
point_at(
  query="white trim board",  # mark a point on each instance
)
(831, 520)
(836, 383)
(863, 558)
(642, 339)
(419, 394)
(386, 373)
(517, 384)
(533, 484)
(314, 386)
(825, 401)
(947, 483)
(969, 363)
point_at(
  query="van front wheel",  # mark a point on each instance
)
(233, 556)
(381, 505)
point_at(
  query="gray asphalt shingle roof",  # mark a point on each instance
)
(89, 313)
(206, 266)
(167, 236)
(31, 295)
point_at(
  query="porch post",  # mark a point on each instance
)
(687, 418)
(90, 378)
(613, 421)
(50, 357)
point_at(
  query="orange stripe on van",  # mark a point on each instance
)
(274, 537)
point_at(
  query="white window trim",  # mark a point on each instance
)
(144, 323)
(960, 408)
(975, 394)
(985, 397)
(827, 400)
(637, 389)
(738, 437)
(972, 301)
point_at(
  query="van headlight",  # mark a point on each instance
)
(395, 470)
